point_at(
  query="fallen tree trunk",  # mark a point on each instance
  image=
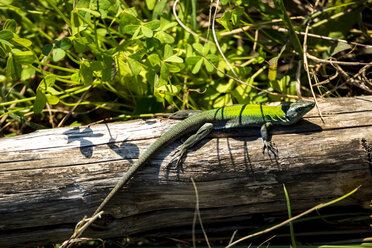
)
(50, 179)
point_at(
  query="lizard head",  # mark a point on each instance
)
(297, 110)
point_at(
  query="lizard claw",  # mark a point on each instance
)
(270, 147)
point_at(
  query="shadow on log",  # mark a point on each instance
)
(50, 179)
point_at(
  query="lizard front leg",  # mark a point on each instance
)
(267, 144)
(192, 140)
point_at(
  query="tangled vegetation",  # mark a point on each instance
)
(79, 62)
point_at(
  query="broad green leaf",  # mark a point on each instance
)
(22, 41)
(40, 102)
(47, 49)
(192, 60)
(212, 59)
(154, 59)
(174, 59)
(147, 32)
(5, 42)
(6, 35)
(10, 25)
(153, 25)
(169, 25)
(158, 9)
(222, 101)
(80, 44)
(58, 54)
(108, 69)
(13, 69)
(23, 57)
(86, 73)
(197, 66)
(136, 33)
(27, 73)
(226, 87)
(169, 88)
(241, 93)
(273, 64)
(174, 68)
(164, 72)
(53, 100)
(152, 44)
(150, 4)
(135, 66)
(164, 37)
(75, 77)
(131, 29)
(47, 82)
(334, 49)
(65, 43)
(168, 51)
(225, 20)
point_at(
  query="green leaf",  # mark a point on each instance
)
(168, 51)
(58, 54)
(225, 20)
(13, 69)
(241, 93)
(159, 7)
(86, 73)
(53, 100)
(169, 88)
(7, 43)
(47, 49)
(10, 25)
(65, 43)
(6, 35)
(164, 72)
(213, 59)
(27, 73)
(153, 25)
(334, 49)
(134, 66)
(22, 41)
(223, 100)
(224, 87)
(164, 37)
(174, 59)
(147, 32)
(23, 57)
(40, 102)
(197, 66)
(108, 69)
(150, 4)
(154, 59)
(192, 60)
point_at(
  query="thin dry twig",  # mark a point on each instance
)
(306, 66)
(197, 214)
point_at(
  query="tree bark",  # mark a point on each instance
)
(50, 179)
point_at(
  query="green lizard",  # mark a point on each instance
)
(235, 116)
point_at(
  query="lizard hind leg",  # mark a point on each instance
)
(191, 141)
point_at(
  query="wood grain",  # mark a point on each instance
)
(50, 179)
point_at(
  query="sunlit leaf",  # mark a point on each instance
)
(39, 102)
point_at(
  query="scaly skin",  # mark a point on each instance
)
(235, 116)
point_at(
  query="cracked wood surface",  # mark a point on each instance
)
(50, 179)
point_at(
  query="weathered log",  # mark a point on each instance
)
(50, 179)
